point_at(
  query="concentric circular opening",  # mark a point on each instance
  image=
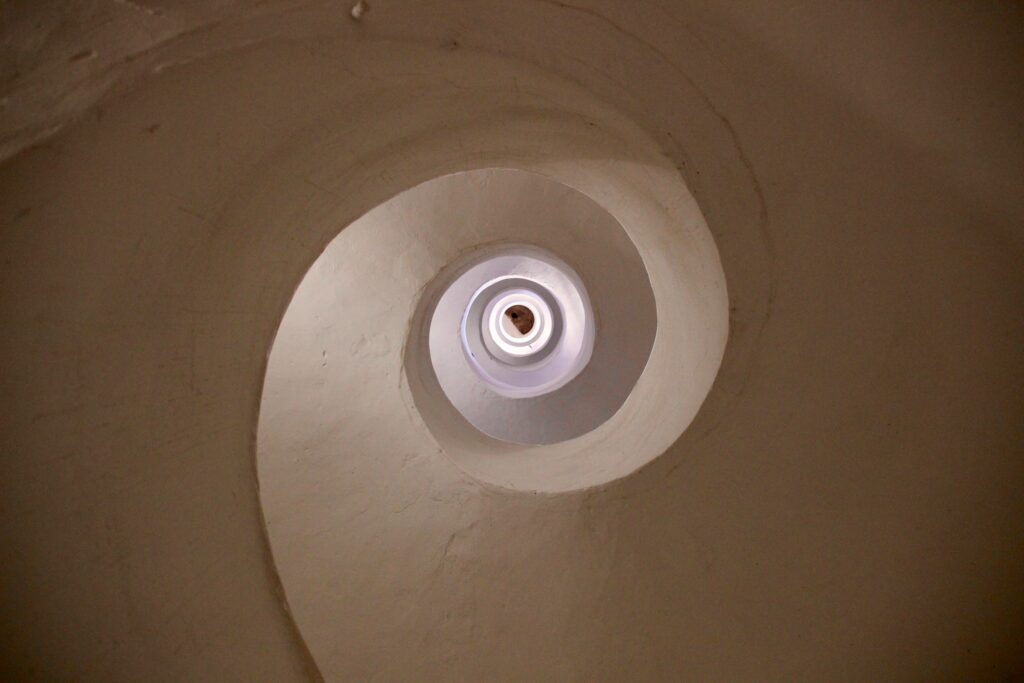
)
(519, 323)
(545, 346)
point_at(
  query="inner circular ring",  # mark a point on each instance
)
(499, 326)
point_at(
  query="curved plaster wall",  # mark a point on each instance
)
(336, 349)
(844, 504)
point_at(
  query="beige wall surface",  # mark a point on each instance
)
(846, 504)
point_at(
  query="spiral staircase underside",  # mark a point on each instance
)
(843, 503)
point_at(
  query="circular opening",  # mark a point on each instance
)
(499, 359)
(504, 340)
(518, 320)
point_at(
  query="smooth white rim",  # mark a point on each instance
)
(521, 345)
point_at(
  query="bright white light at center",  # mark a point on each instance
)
(499, 356)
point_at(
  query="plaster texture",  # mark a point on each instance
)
(844, 506)
(345, 414)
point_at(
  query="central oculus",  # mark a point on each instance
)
(525, 323)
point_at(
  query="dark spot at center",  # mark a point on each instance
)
(521, 317)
